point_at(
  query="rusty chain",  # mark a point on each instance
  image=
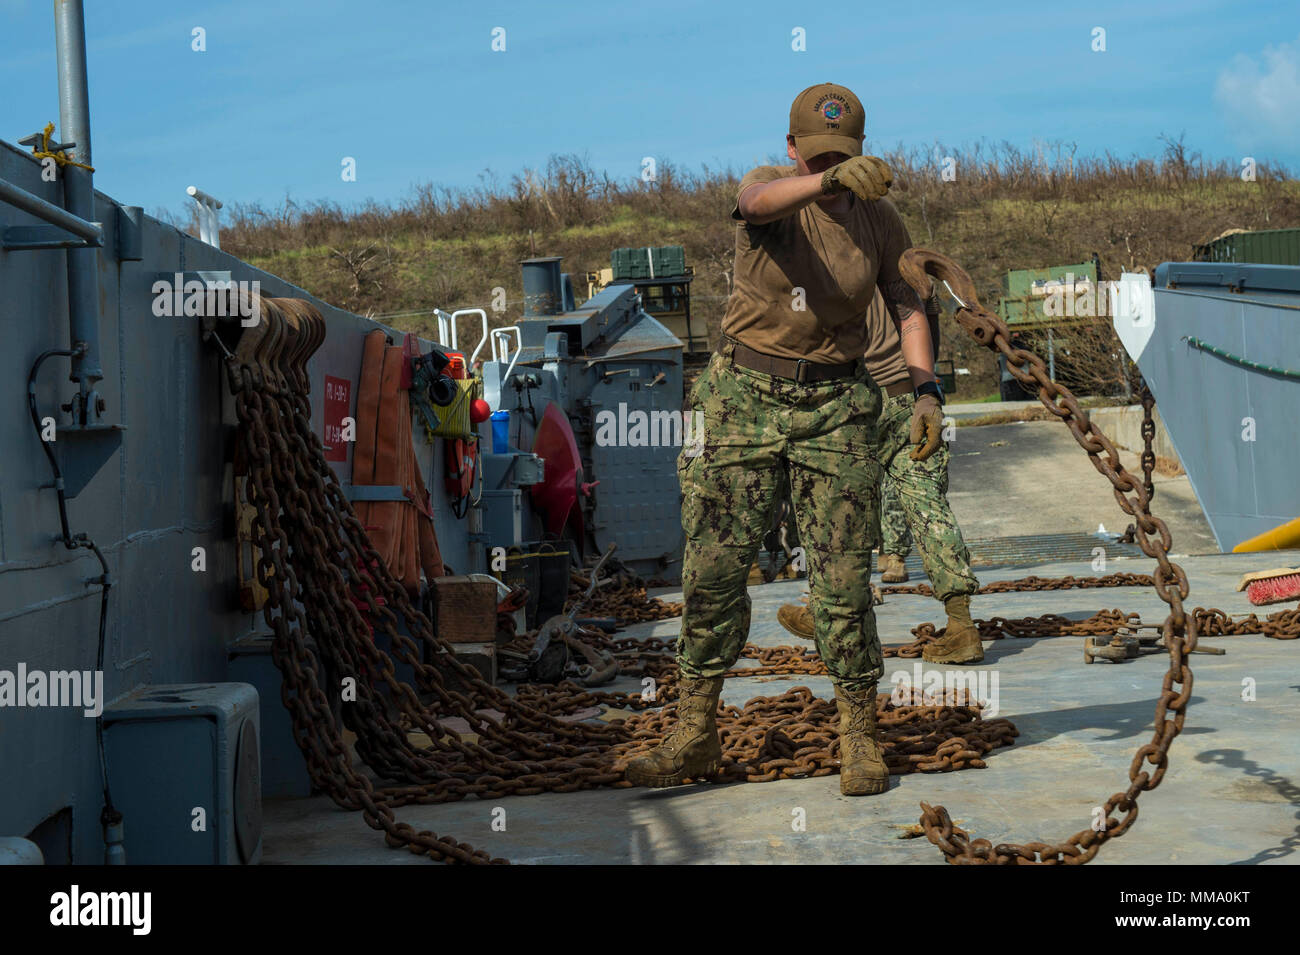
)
(654, 657)
(329, 592)
(1148, 441)
(1169, 581)
(622, 596)
(1034, 583)
(1148, 452)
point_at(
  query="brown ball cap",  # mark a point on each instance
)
(827, 118)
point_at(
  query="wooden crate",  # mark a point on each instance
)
(465, 610)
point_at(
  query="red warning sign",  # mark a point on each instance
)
(338, 402)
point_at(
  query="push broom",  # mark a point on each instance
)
(1271, 586)
(1279, 584)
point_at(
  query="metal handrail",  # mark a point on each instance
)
(482, 341)
(504, 335)
(209, 218)
(20, 198)
(443, 336)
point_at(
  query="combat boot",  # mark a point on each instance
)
(862, 766)
(961, 640)
(892, 569)
(796, 619)
(692, 748)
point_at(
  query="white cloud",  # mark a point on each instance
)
(1260, 95)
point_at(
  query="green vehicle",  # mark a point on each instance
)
(1037, 304)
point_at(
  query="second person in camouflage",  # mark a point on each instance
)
(914, 505)
(914, 499)
(895, 538)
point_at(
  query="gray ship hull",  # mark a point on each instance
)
(1234, 426)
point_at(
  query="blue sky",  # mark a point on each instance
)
(414, 92)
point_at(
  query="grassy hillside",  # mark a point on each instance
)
(1004, 209)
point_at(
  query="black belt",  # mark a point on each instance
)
(796, 369)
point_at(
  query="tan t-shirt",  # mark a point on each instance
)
(836, 259)
(884, 354)
(884, 351)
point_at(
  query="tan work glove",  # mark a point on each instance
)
(927, 427)
(865, 176)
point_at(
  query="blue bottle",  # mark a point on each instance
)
(501, 432)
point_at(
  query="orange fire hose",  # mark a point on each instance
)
(401, 531)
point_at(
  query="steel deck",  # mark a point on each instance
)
(1232, 794)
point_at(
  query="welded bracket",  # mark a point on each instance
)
(82, 450)
(130, 233)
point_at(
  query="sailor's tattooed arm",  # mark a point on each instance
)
(905, 309)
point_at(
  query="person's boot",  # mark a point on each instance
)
(961, 640)
(862, 765)
(692, 748)
(796, 619)
(892, 569)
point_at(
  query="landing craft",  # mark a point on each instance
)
(1232, 329)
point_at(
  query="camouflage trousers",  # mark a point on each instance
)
(757, 438)
(914, 504)
(895, 536)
